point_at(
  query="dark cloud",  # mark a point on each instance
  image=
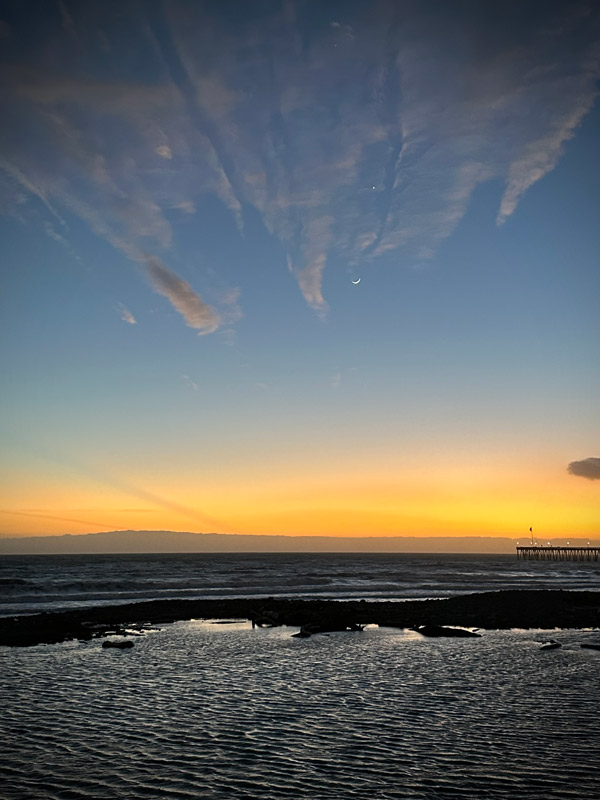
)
(354, 134)
(588, 468)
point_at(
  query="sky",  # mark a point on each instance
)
(299, 267)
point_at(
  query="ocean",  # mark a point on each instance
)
(203, 710)
(52, 582)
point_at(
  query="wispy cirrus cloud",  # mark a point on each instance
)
(354, 137)
(196, 313)
(42, 515)
(97, 473)
(126, 315)
(230, 303)
(189, 382)
(369, 135)
(541, 156)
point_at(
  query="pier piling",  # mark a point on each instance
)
(551, 553)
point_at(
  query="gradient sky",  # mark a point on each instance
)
(189, 193)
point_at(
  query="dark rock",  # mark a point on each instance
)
(552, 645)
(302, 634)
(355, 626)
(442, 630)
(119, 645)
(312, 627)
(590, 645)
(265, 618)
(500, 609)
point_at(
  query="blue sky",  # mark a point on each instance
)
(188, 192)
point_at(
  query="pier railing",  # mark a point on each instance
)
(551, 553)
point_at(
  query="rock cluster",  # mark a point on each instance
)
(123, 644)
(502, 609)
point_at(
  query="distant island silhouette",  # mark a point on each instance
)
(129, 541)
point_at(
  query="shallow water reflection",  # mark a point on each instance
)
(202, 710)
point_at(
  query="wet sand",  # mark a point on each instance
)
(491, 610)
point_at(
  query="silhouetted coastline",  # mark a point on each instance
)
(487, 610)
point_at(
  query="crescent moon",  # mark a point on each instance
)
(356, 281)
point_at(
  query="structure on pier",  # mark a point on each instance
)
(551, 553)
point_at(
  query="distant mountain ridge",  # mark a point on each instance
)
(130, 541)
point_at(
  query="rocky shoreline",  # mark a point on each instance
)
(492, 610)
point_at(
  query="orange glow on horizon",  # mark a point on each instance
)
(461, 503)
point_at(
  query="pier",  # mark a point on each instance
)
(551, 553)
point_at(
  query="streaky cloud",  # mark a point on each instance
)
(52, 517)
(587, 468)
(53, 453)
(126, 315)
(189, 382)
(358, 146)
(229, 300)
(542, 155)
(196, 313)
(24, 182)
(354, 139)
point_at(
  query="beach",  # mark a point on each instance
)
(48, 599)
(205, 710)
(218, 697)
(489, 610)
(300, 469)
